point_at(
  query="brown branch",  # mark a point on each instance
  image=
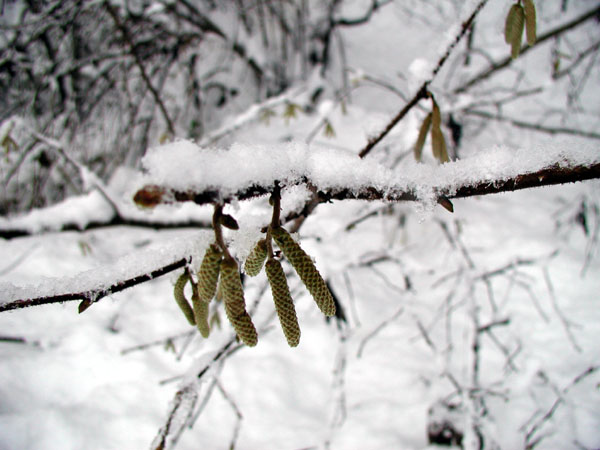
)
(92, 295)
(544, 177)
(494, 67)
(423, 90)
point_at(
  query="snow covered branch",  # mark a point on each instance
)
(94, 294)
(94, 284)
(422, 92)
(335, 175)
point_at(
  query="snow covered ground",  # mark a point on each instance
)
(78, 381)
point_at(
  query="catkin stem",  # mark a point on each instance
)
(216, 222)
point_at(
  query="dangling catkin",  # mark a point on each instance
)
(305, 269)
(418, 149)
(283, 302)
(235, 305)
(517, 31)
(208, 274)
(530, 21)
(178, 293)
(200, 313)
(509, 26)
(256, 259)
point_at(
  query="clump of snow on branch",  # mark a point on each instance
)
(102, 277)
(185, 166)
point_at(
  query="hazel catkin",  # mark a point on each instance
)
(178, 293)
(284, 305)
(256, 259)
(235, 305)
(208, 274)
(200, 313)
(306, 270)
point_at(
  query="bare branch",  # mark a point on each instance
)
(494, 67)
(533, 126)
(422, 92)
(138, 61)
(93, 295)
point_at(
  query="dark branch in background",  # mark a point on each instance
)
(92, 295)
(494, 67)
(423, 90)
(375, 5)
(115, 221)
(532, 126)
(208, 26)
(138, 61)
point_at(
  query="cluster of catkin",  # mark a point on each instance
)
(433, 122)
(520, 16)
(219, 276)
(306, 270)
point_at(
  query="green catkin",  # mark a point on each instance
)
(438, 143)
(200, 313)
(178, 293)
(208, 275)
(517, 32)
(418, 150)
(530, 21)
(235, 305)
(306, 270)
(509, 26)
(284, 304)
(256, 259)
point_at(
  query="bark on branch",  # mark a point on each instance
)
(555, 174)
(92, 295)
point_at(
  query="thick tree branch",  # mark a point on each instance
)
(422, 92)
(554, 174)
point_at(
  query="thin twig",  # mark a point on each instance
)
(237, 412)
(376, 330)
(494, 67)
(533, 126)
(563, 320)
(423, 91)
(93, 295)
(138, 61)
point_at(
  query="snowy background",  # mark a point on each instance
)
(492, 309)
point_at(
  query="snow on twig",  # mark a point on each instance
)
(182, 171)
(95, 284)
